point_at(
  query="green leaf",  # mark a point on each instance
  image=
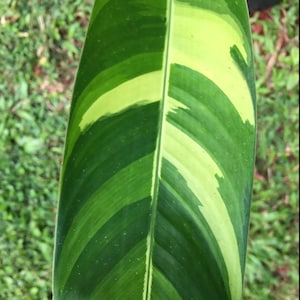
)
(158, 165)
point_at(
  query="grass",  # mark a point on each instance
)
(41, 44)
(273, 263)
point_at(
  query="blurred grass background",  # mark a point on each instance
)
(40, 50)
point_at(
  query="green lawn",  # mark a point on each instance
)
(40, 51)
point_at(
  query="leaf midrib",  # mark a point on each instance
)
(158, 154)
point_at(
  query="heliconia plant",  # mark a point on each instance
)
(158, 165)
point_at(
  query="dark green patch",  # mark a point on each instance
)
(107, 247)
(185, 250)
(213, 122)
(120, 31)
(109, 145)
(246, 70)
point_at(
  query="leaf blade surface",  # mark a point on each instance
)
(158, 164)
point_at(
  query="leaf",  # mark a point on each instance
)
(158, 164)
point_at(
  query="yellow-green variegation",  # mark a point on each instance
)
(158, 165)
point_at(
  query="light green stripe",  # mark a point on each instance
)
(111, 196)
(200, 172)
(173, 105)
(137, 91)
(199, 39)
(105, 81)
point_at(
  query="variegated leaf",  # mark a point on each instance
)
(158, 164)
